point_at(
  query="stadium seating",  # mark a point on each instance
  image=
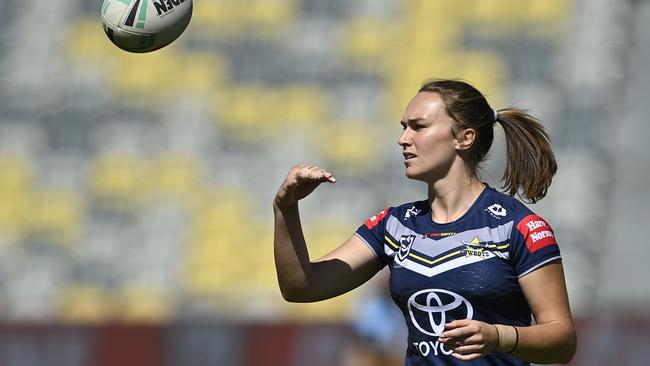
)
(148, 178)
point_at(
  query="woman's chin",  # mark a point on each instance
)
(413, 174)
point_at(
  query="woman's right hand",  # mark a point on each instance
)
(299, 183)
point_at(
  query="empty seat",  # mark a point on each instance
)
(119, 179)
(85, 304)
(57, 214)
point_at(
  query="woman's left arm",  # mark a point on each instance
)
(552, 339)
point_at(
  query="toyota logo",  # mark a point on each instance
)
(430, 309)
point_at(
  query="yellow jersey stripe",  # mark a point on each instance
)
(491, 246)
(390, 242)
(435, 260)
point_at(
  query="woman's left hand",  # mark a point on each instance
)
(469, 339)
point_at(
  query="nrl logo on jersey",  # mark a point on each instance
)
(405, 244)
(496, 210)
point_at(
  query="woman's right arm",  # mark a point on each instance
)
(303, 280)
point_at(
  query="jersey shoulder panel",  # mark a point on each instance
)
(503, 207)
(532, 240)
(374, 230)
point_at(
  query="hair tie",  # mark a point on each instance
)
(496, 115)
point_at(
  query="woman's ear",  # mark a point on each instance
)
(465, 139)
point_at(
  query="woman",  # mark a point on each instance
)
(469, 265)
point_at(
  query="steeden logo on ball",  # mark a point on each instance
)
(145, 25)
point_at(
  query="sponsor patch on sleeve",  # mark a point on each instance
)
(373, 221)
(536, 232)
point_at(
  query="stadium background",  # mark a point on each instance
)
(135, 190)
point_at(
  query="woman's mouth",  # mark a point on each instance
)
(408, 156)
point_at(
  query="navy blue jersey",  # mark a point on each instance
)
(466, 269)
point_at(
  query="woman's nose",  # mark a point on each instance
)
(404, 139)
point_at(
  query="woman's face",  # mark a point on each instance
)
(428, 143)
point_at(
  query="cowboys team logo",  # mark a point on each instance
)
(405, 243)
(431, 309)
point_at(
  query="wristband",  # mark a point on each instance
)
(516, 340)
(508, 338)
(499, 338)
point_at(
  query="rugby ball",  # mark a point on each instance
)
(145, 25)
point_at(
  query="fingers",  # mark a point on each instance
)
(467, 349)
(467, 357)
(457, 324)
(301, 180)
(459, 329)
(304, 172)
(469, 339)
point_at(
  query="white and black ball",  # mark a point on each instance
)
(145, 25)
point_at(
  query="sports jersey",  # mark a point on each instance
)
(465, 269)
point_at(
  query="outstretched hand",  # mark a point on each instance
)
(469, 339)
(301, 180)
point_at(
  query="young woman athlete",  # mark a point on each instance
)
(477, 275)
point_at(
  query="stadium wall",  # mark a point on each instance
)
(254, 344)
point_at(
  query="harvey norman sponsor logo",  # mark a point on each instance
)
(373, 221)
(537, 232)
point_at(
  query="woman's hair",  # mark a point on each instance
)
(530, 164)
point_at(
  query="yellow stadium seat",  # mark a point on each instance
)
(500, 16)
(222, 210)
(59, 214)
(544, 17)
(368, 39)
(207, 72)
(246, 109)
(426, 11)
(350, 145)
(326, 235)
(213, 281)
(85, 39)
(272, 14)
(224, 17)
(303, 104)
(232, 18)
(550, 17)
(119, 178)
(141, 304)
(16, 194)
(550, 11)
(15, 210)
(176, 176)
(139, 76)
(220, 248)
(487, 72)
(85, 305)
(260, 112)
(16, 174)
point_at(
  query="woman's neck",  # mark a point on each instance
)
(451, 197)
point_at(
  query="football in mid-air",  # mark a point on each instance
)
(145, 25)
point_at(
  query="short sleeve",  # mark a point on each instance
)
(533, 244)
(372, 233)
